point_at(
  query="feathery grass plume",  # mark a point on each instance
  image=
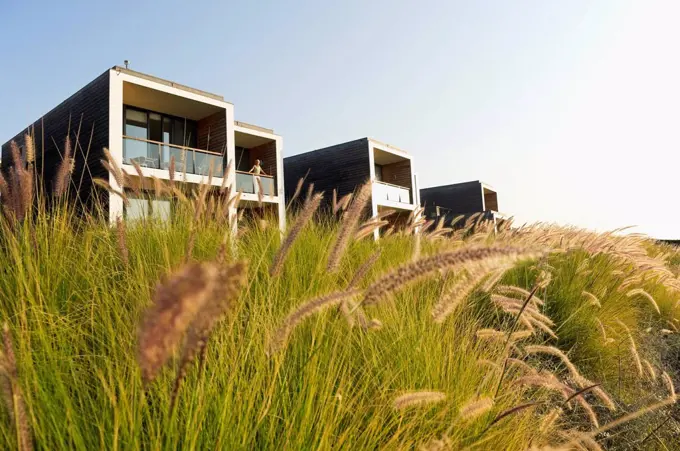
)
(417, 398)
(417, 246)
(454, 294)
(298, 190)
(171, 171)
(176, 301)
(348, 226)
(511, 305)
(138, 170)
(544, 278)
(550, 419)
(364, 269)
(334, 203)
(199, 207)
(544, 381)
(644, 294)
(369, 229)
(493, 279)
(105, 185)
(158, 187)
(475, 408)
(627, 418)
(666, 331)
(310, 191)
(260, 190)
(305, 215)
(307, 309)
(575, 374)
(490, 363)
(589, 411)
(225, 175)
(603, 332)
(344, 202)
(510, 290)
(650, 369)
(230, 281)
(61, 179)
(551, 350)
(26, 181)
(513, 411)
(588, 443)
(412, 272)
(12, 394)
(493, 334)
(114, 169)
(30, 148)
(134, 183)
(668, 382)
(592, 299)
(521, 364)
(122, 242)
(633, 348)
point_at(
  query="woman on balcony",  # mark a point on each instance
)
(257, 169)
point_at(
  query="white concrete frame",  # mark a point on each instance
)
(280, 197)
(116, 80)
(415, 191)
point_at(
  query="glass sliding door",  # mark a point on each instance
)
(152, 139)
(135, 127)
(165, 151)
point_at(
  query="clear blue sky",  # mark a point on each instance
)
(570, 109)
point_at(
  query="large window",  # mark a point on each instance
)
(160, 128)
(242, 159)
(140, 208)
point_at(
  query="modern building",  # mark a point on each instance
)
(144, 119)
(344, 167)
(465, 199)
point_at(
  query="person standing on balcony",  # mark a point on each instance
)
(257, 169)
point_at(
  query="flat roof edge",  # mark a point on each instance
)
(163, 81)
(254, 127)
(389, 146)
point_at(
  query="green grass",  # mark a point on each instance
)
(74, 307)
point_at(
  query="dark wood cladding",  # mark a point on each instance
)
(84, 117)
(212, 132)
(456, 199)
(342, 167)
(266, 153)
(398, 173)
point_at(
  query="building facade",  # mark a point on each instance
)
(466, 199)
(148, 120)
(344, 167)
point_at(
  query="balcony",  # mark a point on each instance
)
(247, 183)
(157, 155)
(392, 193)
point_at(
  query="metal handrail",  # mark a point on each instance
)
(258, 175)
(176, 146)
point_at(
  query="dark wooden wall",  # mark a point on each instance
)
(266, 153)
(398, 173)
(459, 198)
(343, 167)
(85, 118)
(212, 132)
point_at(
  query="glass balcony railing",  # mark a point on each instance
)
(156, 155)
(247, 183)
(392, 193)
